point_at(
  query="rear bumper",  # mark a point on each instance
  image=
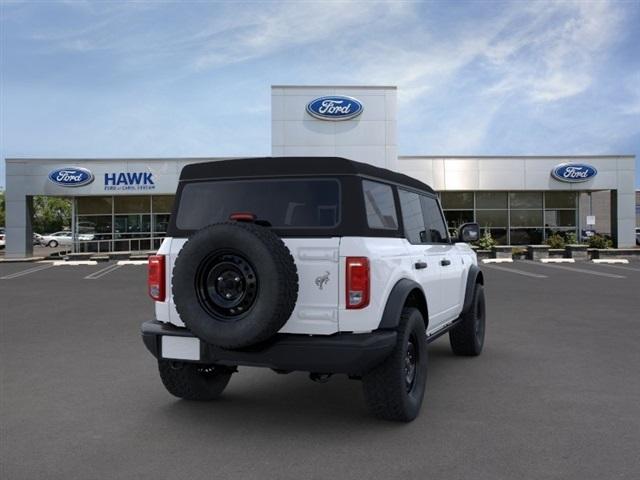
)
(348, 353)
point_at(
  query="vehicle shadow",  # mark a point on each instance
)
(261, 401)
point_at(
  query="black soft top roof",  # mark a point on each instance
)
(293, 166)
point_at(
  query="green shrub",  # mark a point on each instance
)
(600, 241)
(556, 241)
(486, 241)
(571, 238)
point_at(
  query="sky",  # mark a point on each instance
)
(85, 79)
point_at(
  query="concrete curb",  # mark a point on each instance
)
(59, 263)
(610, 260)
(21, 260)
(497, 260)
(557, 260)
(132, 262)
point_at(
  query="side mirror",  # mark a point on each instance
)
(469, 232)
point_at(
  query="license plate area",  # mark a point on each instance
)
(180, 348)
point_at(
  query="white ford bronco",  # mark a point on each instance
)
(323, 265)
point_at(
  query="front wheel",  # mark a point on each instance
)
(394, 389)
(193, 381)
(467, 338)
(53, 244)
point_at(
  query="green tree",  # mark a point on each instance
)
(51, 214)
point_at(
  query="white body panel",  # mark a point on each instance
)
(321, 263)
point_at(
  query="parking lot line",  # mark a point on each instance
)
(579, 270)
(516, 271)
(631, 269)
(26, 272)
(102, 272)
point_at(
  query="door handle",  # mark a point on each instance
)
(420, 265)
(445, 262)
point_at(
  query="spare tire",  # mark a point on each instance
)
(234, 284)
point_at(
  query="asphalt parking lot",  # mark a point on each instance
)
(554, 395)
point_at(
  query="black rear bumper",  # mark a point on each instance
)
(349, 353)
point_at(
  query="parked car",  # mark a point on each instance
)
(637, 236)
(2, 240)
(63, 238)
(38, 239)
(586, 235)
(322, 265)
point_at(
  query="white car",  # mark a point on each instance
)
(2, 240)
(323, 265)
(62, 238)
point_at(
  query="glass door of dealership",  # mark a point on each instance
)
(514, 218)
(121, 223)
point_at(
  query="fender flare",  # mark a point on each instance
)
(397, 299)
(474, 276)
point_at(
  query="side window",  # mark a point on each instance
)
(436, 228)
(381, 208)
(412, 217)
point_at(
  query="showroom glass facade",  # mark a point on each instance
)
(121, 223)
(514, 218)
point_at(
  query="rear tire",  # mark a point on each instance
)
(53, 244)
(467, 338)
(193, 381)
(394, 389)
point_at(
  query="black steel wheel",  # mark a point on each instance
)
(467, 338)
(394, 389)
(227, 285)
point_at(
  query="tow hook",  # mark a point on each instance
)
(320, 377)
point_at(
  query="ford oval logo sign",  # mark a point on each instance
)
(334, 108)
(573, 172)
(71, 177)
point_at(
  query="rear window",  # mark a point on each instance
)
(288, 203)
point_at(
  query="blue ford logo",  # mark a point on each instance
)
(573, 172)
(71, 177)
(334, 108)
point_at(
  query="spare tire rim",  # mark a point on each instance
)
(226, 285)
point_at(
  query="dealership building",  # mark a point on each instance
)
(125, 203)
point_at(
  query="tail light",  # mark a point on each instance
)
(155, 279)
(358, 282)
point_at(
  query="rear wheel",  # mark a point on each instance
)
(53, 244)
(193, 381)
(394, 389)
(467, 338)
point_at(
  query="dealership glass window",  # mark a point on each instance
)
(94, 205)
(498, 234)
(412, 217)
(162, 203)
(492, 218)
(94, 224)
(380, 206)
(526, 218)
(455, 218)
(560, 218)
(132, 204)
(560, 199)
(526, 236)
(525, 200)
(457, 200)
(160, 223)
(491, 200)
(130, 224)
